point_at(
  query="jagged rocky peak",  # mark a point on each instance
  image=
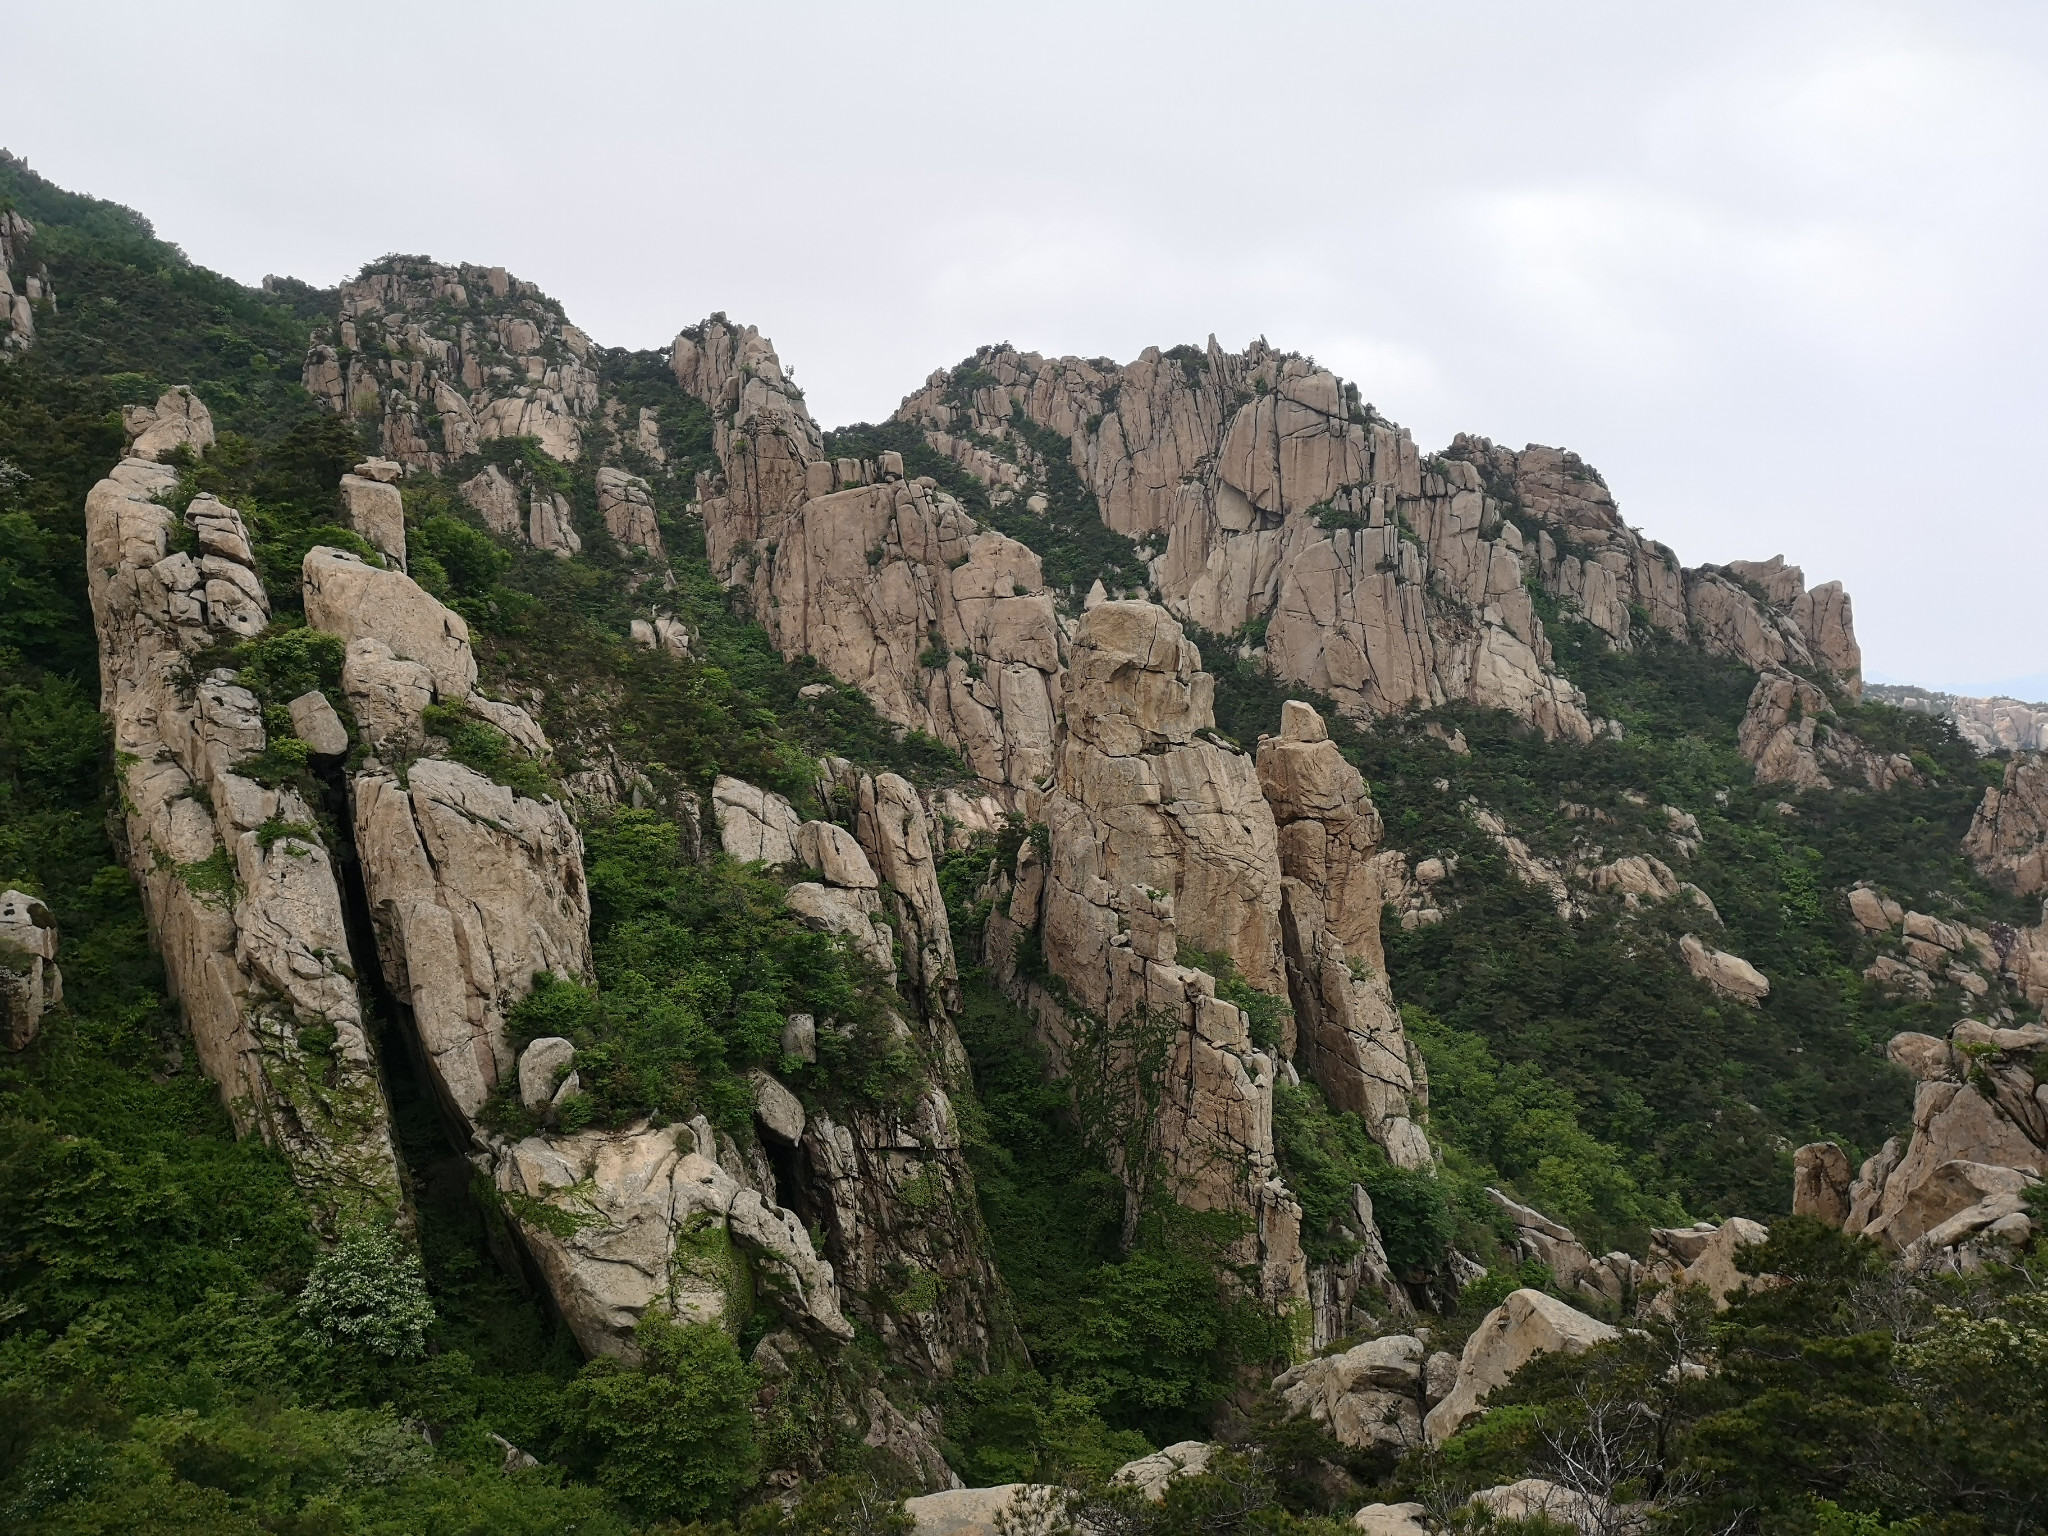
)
(1995, 724)
(1265, 493)
(22, 288)
(443, 358)
(2008, 837)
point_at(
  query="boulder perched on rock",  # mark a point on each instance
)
(1730, 975)
(376, 510)
(1524, 1326)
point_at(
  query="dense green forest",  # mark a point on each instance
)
(179, 1351)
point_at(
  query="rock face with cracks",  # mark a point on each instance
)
(1150, 816)
(249, 922)
(1348, 1032)
(1527, 1324)
(2008, 837)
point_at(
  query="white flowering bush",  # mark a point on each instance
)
(370, 1293)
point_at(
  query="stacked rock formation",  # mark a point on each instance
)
(1272, 494)
(1995, 724)
(239, 887)
(892, 1194)
(18, 303)
(1957, 1182)
(1150, 816)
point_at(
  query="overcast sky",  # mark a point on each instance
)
(1776, 269)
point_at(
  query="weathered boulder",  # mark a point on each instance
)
(1791, 733)
(551, 523)
(855, 915)
(178, 419)
(1370, 1395)
(626, 503)
(356, 601)
(1820, 1182)
(1524, 1326)
(473, 889)
(993, 1511)
(1408, 1519)
(2008, 837)
(658, 1223)
(30, 983)
(780, 1112)
(388, 696)
(496, 498)
(1729, 975)
(1150, 1474)
(1536, 1498)
(754, 825)
(1978, 1105)
(1704, 1256)
(541, 1066)
(376, 510)
(315, 722)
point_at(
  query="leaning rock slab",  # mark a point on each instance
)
(1524, 1326)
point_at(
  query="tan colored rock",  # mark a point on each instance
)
(1712, 1267)
(1872, 913)
(496, 498)
(855, 915)
(252, 936)
(780, 1112)
(1924, 1056)
(1536, 1498)
(626, 503)
(836, 855)
(315, 722)
(1408, 1519)
(914, 1442)
(1370, 1395)
(635, 1245)
(376, 510)
(2008, 837)
(346, 597)
(540, 1065)
(387, 696)
(1636, 878)
(1151, 1474)
(995, 1511)
(1994, 1119)
(551, 523)
(473, 889)
(1820, 1182)
(754, 824)
(178, 418)
(1730, 975)
(30, 983)
(1524, 1326)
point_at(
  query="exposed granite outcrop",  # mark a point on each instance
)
(2008, 837)
(239, 888)
(1348, 1032)
(1149, 816)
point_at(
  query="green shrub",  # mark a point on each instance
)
(477, 744)
(368, 1293)
(673, 1436)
